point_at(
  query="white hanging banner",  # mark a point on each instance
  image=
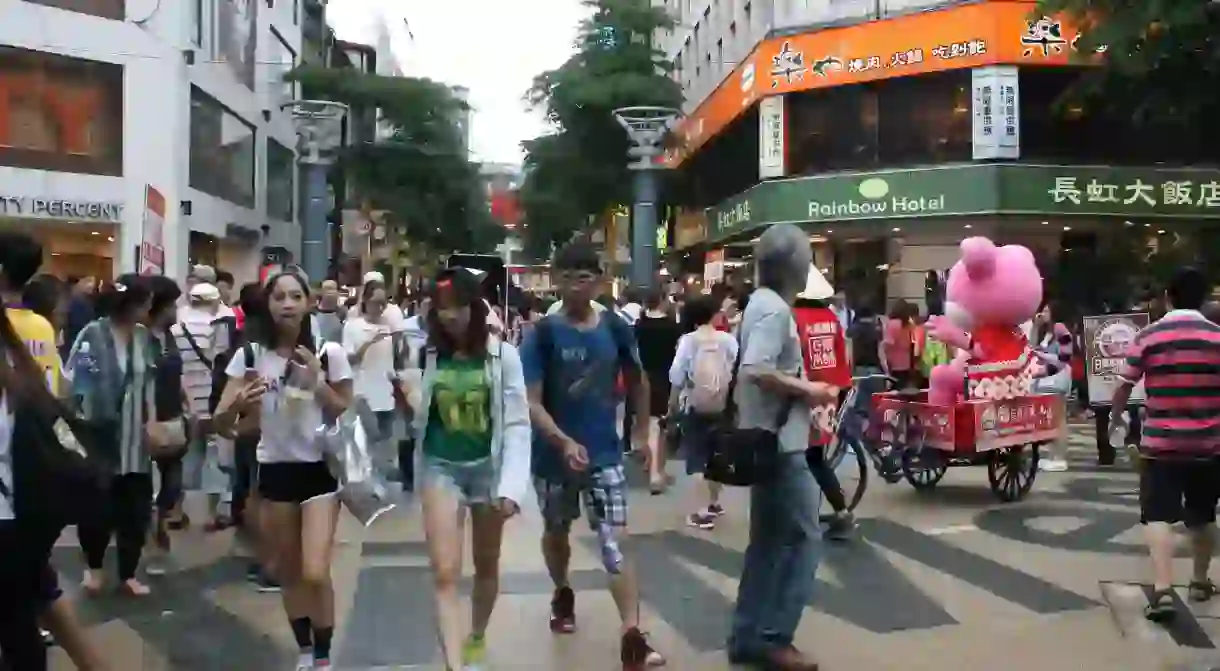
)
(996, 108)
(771, 149)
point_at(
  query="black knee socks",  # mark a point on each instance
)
(302, 631)
(321, 642)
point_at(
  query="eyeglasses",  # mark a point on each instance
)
(578, 276)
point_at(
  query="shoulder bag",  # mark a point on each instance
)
(744, 457)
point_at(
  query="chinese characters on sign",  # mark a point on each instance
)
(1044, 35)
(960, 49)
(771, 153)
(788, 65)
(995, 98)
(1182, 193)
(1106, 338)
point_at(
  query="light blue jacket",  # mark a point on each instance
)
(510, 416)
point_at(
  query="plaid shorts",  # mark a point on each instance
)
(603, 490)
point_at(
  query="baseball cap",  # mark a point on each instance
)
(456, 284)
(205, 292)
(373, 276)
(203, 273)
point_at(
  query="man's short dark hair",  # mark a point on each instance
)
(700, 310)
(578, 256)
(654, 299)
(165, 292)
(224, 276)
(1188, 289)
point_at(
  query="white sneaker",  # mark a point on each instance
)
(1053, 465)
(305, 662)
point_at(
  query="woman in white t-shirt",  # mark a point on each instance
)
(368, 339)
(291, 383)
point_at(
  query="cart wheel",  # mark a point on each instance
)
(1012, 470)
(923, 468)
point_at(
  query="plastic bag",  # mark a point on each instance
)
(346, 446)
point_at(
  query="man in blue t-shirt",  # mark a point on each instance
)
(572, 362)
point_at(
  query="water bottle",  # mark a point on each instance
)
(1118, 429)
(612, 555)
(83, 368)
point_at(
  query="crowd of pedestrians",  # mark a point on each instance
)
(169, 388)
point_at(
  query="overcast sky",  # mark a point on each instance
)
(492, 47)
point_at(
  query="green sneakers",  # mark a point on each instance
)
(474, 653)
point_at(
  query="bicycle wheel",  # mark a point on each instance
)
(923, 468)
(850, 465)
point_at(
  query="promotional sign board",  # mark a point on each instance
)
(152, 237)
(1106, 338)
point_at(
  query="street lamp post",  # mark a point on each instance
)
(319, 125)
(646, 128)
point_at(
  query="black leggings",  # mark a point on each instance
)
(127, 519)
(22, 582)
(815, 456)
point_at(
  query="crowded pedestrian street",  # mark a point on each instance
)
(949, 579)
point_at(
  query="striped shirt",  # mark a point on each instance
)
(1178, 358)
(196, 373)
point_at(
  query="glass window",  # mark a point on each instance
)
(60, 113)
(107, 9)
(281, 179)
(283, 59)
(222, 151)
(197, 22)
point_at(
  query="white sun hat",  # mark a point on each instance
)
(816, 286)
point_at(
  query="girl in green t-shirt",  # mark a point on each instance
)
(472, 425)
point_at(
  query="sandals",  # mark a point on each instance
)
(1160, 608)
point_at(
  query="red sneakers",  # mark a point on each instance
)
(563, 611)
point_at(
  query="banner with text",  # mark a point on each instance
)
(1106, 339)
(152, 235)
(771, 146)
(996, 106)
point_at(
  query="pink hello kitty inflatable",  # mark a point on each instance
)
(989, 293)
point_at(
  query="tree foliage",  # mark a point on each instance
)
(580, 169)
(1160, 60)
(418, 171)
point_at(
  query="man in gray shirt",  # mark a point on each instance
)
(785, 537)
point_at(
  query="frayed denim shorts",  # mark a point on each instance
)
(472, 482)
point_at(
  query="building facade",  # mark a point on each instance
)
(891, 130)
(156, 126)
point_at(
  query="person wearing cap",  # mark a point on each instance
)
(329, 313)
(393, 314)
(824, 348)
(471, 422)
(195, 336)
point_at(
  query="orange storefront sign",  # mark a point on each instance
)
(986, 33)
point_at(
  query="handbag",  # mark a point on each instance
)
(744, 457)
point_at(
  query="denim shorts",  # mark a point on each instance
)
(473, 482)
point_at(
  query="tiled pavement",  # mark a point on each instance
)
(947, 580)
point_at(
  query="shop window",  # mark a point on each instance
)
(281, 181)
(924, 119)
(832, 129)
(107, 9)
(222, 151)
(60, 113)
(1058, 127)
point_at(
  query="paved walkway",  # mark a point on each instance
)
(951, 579)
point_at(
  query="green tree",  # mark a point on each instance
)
(419, 172)
(580, 169)
(1160, 58)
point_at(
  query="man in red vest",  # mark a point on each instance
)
(825, 350)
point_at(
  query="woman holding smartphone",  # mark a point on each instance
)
(292, 384)
(369, 341)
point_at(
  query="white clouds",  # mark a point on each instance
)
(492, 47)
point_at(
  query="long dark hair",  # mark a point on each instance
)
(260, 327)
(120, 299)
(42, 296)
(473, 343)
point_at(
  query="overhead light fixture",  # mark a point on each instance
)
(817, 238)
(968, 226)
(1046, 223)
(1067, 228)
(94, 233)
(110, 239)
(1160, 231)
(896, 229)
(830, 230)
